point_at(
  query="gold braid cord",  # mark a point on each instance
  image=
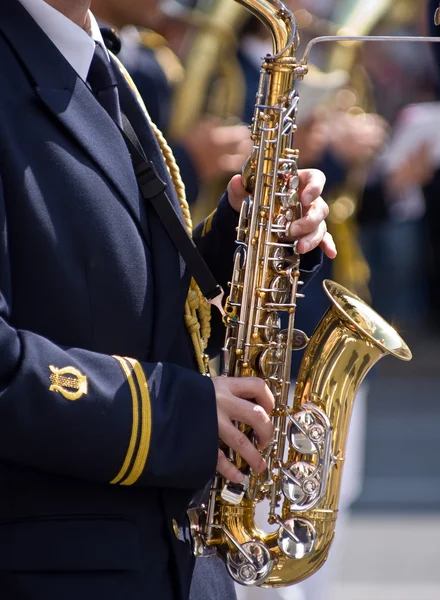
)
(197, 309)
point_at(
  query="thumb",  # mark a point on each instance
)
(236, 192)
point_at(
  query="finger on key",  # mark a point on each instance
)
(256, 417)
(227, 469)
(252, 388)
(238, 441)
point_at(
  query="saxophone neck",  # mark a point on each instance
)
(280, 21)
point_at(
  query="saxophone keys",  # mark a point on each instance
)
(271, 325)
(240, 256)
(289, 214)
(310, 486)
(197, 520)
(292, 489)
(299, 483)
(268, 363)
(279, 289)
(299, 433)
(299, 339)
(250, 564)
(316, 433)
(294, 182)
(296, 538)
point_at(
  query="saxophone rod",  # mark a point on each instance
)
(364, 38)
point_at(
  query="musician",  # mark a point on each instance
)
(106, 427)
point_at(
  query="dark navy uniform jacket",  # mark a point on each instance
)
(106, 428)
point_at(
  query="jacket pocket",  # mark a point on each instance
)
(69, 544)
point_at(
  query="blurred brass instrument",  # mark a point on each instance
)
(213, 84)
(211, 57)
(306, 455)
(351, 268)
(358, 18)
(353, 18)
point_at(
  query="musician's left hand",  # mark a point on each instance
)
(311, 229)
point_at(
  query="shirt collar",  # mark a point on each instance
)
(74, 43)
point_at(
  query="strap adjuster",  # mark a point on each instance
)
(149, 181)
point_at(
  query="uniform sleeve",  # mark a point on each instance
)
(104, 418)
(215, 238)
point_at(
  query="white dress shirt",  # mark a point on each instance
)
(74, 43)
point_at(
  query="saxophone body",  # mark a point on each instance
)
(301, 484)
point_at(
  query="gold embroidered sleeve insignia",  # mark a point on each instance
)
(69, 382)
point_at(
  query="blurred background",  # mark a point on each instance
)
(369, 117)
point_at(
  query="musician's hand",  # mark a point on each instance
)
(232, 396)
(310, 230)
(416, 170)
(356, 138)
(217, 150)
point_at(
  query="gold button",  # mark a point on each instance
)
(176, 529)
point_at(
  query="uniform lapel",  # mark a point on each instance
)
(171, 279)
(95, 131)
(71, 102)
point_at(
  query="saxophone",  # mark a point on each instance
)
(306, 455)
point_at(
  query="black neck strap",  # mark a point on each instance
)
(153, 190)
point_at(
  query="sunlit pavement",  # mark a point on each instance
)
(390, 558)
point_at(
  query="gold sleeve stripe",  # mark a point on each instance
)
(145, 438)
(135, 427)
(207, 225)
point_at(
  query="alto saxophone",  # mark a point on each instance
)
(305, 457)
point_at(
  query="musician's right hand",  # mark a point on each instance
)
(233, 395)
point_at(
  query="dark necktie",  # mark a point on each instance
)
(102, 81)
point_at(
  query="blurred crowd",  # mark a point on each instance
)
(368, 118)
(197, 66)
